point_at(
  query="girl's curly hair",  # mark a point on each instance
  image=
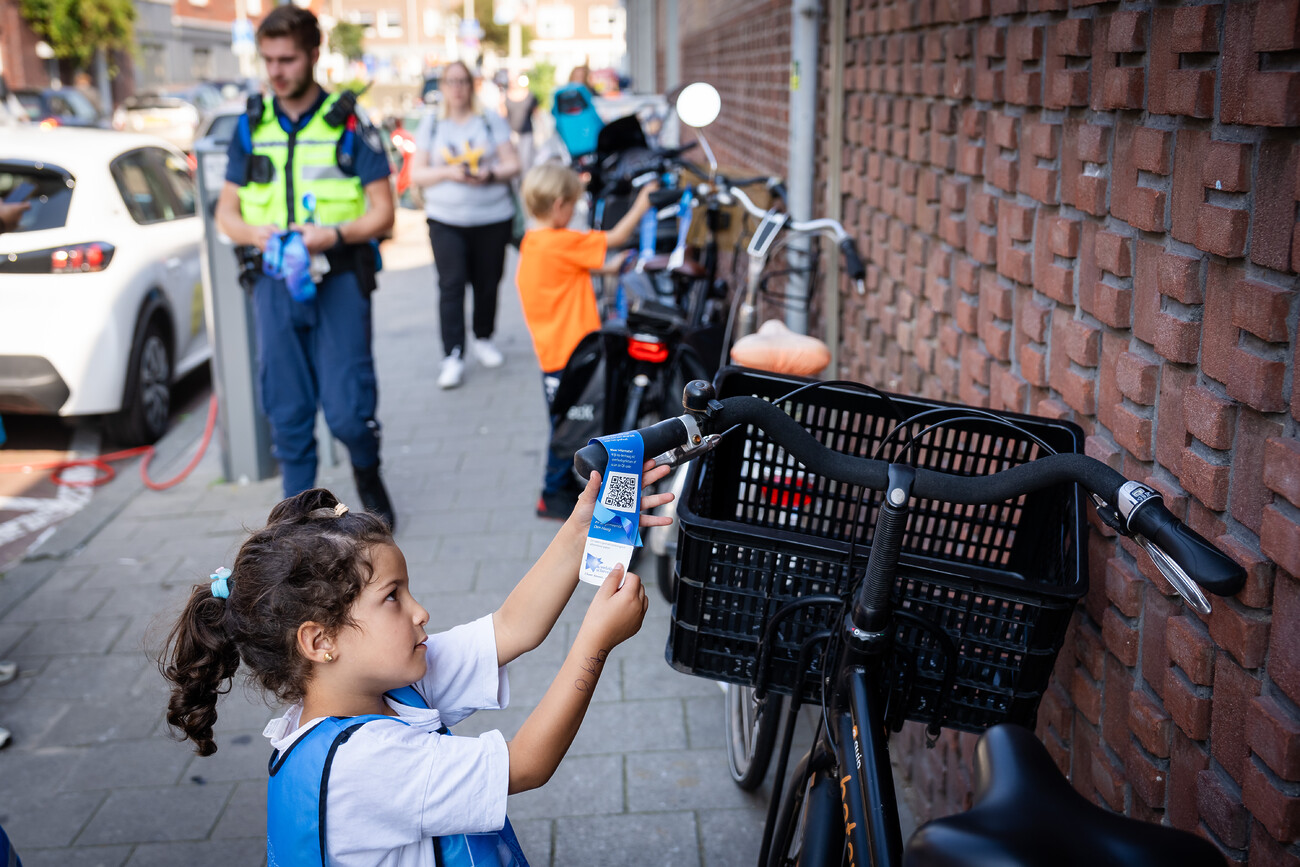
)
(309, 563)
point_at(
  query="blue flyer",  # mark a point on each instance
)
(616, 523)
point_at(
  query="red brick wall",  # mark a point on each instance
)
(212, 10)
(22, 67)
(1089, 210)
(742, 47)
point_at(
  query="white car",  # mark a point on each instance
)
(101, 301)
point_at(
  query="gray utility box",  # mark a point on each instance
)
(244, 433)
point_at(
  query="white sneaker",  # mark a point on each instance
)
(487, 354)
(452, 370)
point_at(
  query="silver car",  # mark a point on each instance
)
(173, 114)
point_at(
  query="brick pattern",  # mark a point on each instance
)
(742, 47)
(1086, 210)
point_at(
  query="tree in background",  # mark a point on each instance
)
(541, 81)
(348, 39)
(498, 35)
(76, 29)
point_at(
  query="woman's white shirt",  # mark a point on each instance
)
(393, 787)
(472, 142)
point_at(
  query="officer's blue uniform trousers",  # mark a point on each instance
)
(316, 352)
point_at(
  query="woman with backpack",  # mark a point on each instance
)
(464, 162)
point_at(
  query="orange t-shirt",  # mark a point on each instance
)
(559, 301)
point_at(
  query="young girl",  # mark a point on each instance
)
(319, 609)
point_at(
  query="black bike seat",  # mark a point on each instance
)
(651, 314)
(1026, 814)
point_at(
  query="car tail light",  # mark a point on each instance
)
(647, 350)
(49, 123)
(67, 259)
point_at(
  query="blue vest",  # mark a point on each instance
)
(295, 808)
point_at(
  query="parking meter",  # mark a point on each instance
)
(243, 431)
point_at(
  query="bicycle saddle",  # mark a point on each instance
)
(649, 313)
(1026, 814)
(689, 269)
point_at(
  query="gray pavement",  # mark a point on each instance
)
(92, 777)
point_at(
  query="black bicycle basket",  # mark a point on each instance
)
(759, 531)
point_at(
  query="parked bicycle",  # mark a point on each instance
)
(972, 527)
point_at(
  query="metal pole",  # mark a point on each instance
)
(803, 134)
(834, 169)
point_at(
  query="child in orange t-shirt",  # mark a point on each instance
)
(559, 301)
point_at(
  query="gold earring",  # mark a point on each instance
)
(328, 658)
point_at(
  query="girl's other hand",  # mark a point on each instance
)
(615, 614)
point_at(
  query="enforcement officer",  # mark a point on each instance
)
(307, 141)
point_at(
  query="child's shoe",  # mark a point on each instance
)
(452, 371)
(487, 353)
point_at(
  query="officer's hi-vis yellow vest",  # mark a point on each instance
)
(304, 162)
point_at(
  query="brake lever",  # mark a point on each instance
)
(688, 451)
(1175, 575)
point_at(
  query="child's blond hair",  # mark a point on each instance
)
(547, 184)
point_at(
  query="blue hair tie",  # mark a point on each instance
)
(221, 583)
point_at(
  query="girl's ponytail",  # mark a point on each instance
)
(200, 659)
(309, 563)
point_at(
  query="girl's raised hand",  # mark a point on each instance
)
(615, 614)
(650, 474)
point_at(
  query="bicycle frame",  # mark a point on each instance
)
(863, 786)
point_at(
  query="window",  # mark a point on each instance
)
(58, 106)
(554, 22)
(145, 194)
(47, 190)
(201, 65)
(366, 20)
(79, 106)
(177, 173)
(600, 20)
(390, 23)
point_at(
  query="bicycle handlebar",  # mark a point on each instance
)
(1140, 510)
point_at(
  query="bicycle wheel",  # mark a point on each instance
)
(751, 734)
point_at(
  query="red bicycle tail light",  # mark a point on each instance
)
(647, 350)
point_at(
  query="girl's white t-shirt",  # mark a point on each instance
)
(392, 787)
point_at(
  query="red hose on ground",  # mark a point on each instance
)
(107, 473)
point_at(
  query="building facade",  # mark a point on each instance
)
(1091, 211)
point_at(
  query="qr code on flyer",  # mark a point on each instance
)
(620, 492)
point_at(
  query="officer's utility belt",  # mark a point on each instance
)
(359, 259)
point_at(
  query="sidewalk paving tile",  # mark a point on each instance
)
(643, 839)
(95, 777)
(158, 814)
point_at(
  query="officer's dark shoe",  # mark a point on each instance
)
(374, 496)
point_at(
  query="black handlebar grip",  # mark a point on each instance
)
(662, 198)
(1203, 563)
(658, 438)
(777, 189)
(852, 261)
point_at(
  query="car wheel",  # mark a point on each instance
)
(146, 405)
